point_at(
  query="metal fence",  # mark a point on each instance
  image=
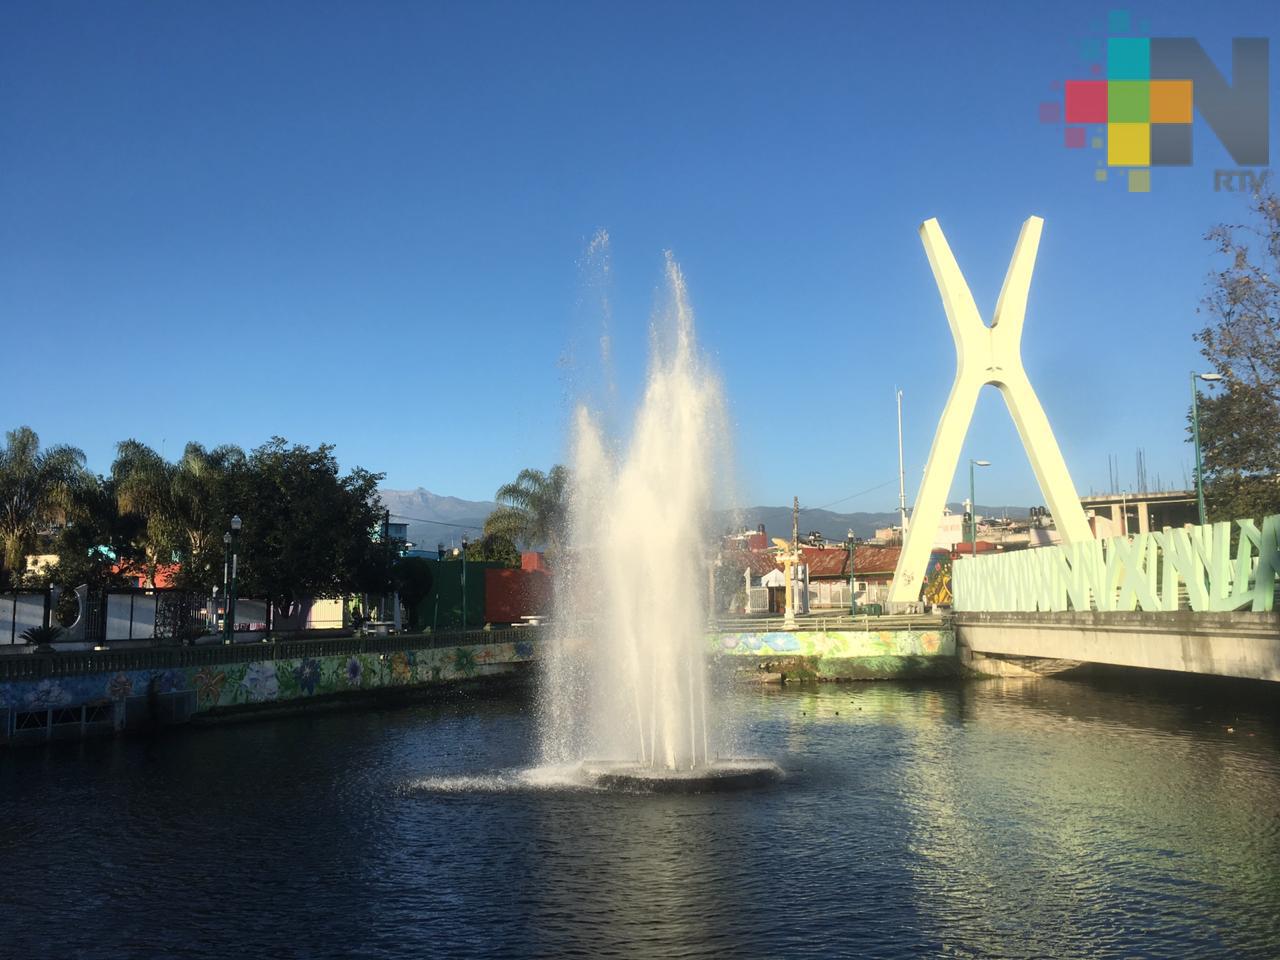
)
(21, 610)
(103, 616)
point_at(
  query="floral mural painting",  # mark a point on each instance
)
(45, 694)
(837, 643)
(119, 686)
(209, 683)
(260, 683)
(170, 681)
(402, 667)
(218, 686)
(307, 675)
(464, 661)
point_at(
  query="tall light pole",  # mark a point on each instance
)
(902, 477)
(973, 503)
(1195, 432)
(226, 584)
(232, 540)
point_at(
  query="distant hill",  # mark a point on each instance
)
(433, 518)
(835, 526)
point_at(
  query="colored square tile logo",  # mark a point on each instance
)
(1171, 101)
(1128, 58)
(1086, 101)
(1128, 144)
(1140, 101)
(1170, 144)
(1128, 101)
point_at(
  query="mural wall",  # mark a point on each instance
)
(270, 681)
(839, 643)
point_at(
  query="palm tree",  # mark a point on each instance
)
(36, 488)
(531, 509)
(179, 500)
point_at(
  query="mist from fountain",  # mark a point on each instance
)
(624, 681)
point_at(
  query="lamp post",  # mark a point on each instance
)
(973, 503)
(226, 586)
(853, 594)
(226, 581)
(1195, 432)
(231, 539)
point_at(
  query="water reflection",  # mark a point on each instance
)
(1002, 819)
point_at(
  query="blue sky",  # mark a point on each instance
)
(366, 224)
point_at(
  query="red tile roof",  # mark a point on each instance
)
(759, 562)
(825, 563)
(833, 562)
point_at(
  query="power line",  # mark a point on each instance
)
(438, 523)
(860, 493)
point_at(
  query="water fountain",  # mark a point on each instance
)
(624, 698)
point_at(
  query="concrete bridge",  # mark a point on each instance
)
(1234, 644)
(1197, 599)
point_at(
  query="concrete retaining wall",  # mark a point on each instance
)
(837, 654)
(80, 704)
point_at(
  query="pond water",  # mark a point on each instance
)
(984, 819)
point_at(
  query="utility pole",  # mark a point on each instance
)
(795, 524)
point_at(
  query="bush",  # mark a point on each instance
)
(41, 636)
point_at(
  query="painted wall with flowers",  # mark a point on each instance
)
(838, 643)
(269, 681)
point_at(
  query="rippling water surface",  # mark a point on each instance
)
(990, 819)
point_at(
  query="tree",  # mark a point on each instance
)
(532, 509)
(185, 505)
(494, 548)
(37, 488)
(307, 530)
(97, 540)
(1240, 423)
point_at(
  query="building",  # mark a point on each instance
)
(1122, 514)
(828, 574)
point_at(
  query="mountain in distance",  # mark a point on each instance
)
(834, 526)
(434, 519)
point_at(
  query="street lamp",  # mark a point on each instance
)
(1195, 432)
(231, 539)
(973, 503)
(227, 583)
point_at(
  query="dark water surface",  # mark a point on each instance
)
(988, 819)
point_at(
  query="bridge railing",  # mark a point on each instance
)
(1217, 567)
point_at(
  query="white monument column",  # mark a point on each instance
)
(984, 354)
